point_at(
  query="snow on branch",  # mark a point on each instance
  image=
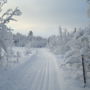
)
(2, 2)
(8, 15)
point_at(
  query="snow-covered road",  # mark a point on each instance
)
(40, 72)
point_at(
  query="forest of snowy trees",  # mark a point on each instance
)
(73, 46)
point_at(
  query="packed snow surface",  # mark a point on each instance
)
(39, 72)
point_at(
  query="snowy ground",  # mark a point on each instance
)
(39, 71)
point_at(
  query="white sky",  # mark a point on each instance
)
(43, 17)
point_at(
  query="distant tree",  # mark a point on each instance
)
(75, 29)
(30, 35)
(60, 32)
(19, 40)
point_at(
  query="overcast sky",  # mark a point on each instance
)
(44, 17)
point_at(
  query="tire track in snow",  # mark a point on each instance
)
(44, 79)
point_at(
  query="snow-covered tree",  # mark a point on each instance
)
(30, 35)
(58, 44)
(6, 37)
